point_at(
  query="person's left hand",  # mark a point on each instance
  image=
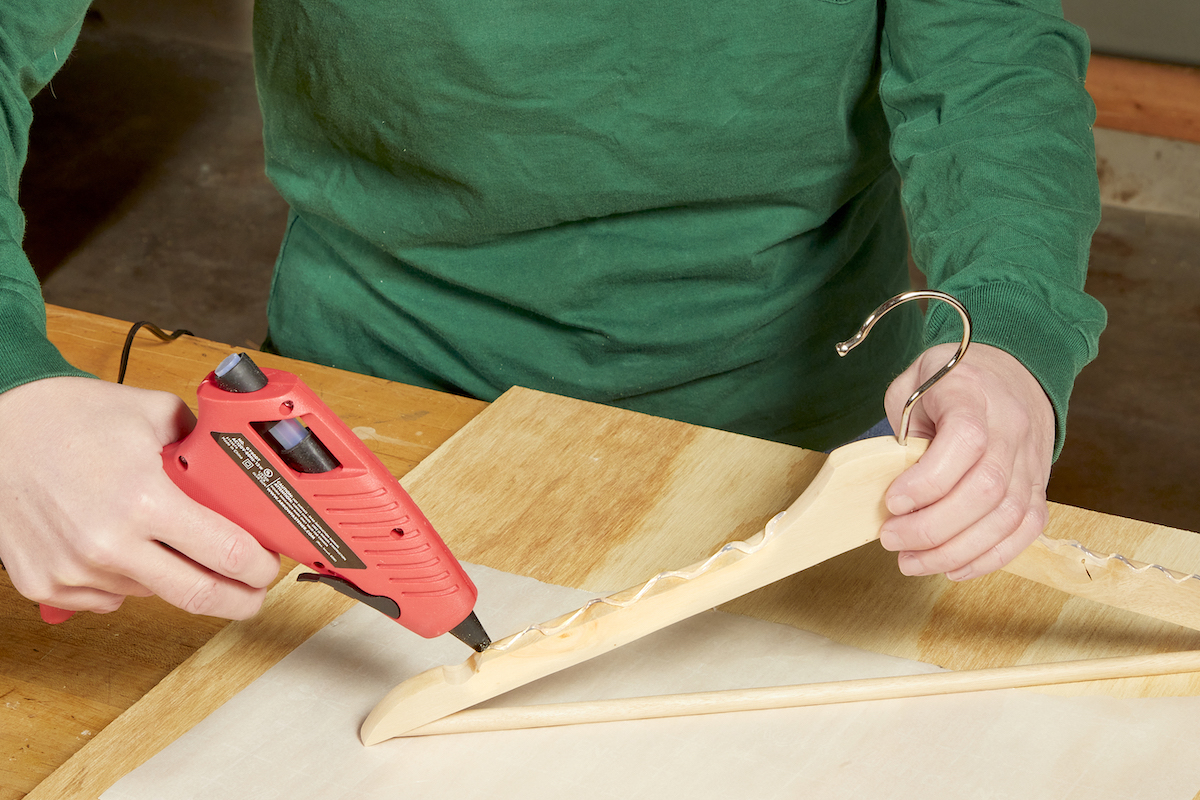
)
(977, 498)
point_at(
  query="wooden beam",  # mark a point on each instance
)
(1145, 97)
(809, 694)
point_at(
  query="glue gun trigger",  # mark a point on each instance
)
(385, 605)
(470, 632)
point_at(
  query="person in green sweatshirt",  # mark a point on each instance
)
(677, 207)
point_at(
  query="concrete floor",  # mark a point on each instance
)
(146, 200)
(144, 189)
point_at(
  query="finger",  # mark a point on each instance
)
(168, 416)
(982, 492)
(193, 557)
(983, 547)
(990, 543)
(961, 440)
(108, 583)
(216, 544)
(1033, 522)
(195, 531)
(75, 576)
(97, 568)
(196, 589)
(77, 598)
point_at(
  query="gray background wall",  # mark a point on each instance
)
(1156, 30)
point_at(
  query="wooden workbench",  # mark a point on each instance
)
(63, 685)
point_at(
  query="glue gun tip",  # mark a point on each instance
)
(471, 633)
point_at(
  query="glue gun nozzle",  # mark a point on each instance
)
(471, 633)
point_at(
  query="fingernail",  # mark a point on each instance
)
(888, 539)
(900, 504)
(909, 565)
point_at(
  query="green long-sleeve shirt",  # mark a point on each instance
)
(675, 207)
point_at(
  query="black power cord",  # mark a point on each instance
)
(157, 331)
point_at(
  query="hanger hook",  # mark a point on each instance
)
(927, 294)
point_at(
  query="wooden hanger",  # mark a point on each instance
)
(840, 510)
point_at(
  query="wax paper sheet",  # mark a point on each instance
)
(294, 733)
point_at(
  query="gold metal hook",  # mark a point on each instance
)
(928, 294)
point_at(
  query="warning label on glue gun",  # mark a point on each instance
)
(289, 501)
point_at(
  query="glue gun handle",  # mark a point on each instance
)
(54, 615)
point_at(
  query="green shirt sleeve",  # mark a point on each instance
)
(35, 39)
(991, 133)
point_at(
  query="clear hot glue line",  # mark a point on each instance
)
(1104, 559)
(745, 548)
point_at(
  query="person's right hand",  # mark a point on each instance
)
(88, 516)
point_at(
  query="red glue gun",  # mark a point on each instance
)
(270, 456)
